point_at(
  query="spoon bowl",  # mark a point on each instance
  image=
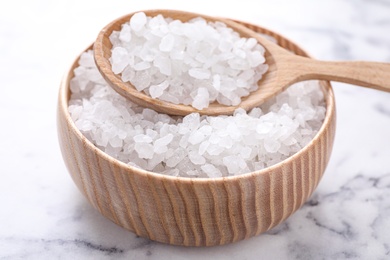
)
(102, 52)
(285, 69)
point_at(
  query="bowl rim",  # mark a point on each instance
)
(63, 102)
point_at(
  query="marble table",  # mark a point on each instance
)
(44, 216)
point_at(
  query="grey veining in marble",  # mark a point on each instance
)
(44, 216)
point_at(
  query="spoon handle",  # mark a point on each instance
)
(373, 75)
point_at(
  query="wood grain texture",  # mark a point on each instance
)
(194, 212)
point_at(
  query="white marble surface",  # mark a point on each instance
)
(44, 216)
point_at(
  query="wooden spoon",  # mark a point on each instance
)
(285, 69)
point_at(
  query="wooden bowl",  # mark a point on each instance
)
(192, 211)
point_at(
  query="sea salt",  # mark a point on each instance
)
(150, 50)
(138, 21)
(194, 146)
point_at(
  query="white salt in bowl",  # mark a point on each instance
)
(195, 211)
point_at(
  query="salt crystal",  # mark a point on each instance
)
(225, 46)
(232, 164)
(141, 80)
(306, 131)
(141, 138)
(128, 74)
(151, 133)
(156, 160)
(271, 145)
(214, 138)
(226, 142)
(149, 115)
(233, 131)
(164, 65)
(167, 43)
(193, 173)
(250, 43)
(171, 172)
(196, 137)
(144, 150)
(256, 58)
(206, 129)
(175, 27)
(240, 53)
(119, 59)
(199, 73)
(201, 100)
(211, 171)
(170, 98)
(246, 152)
(215, 150)
(139, 163)
(290, 141)
(138, 21)
(125, 33)
(264, 128)
(178, 155)
(184, 140)
(203, 147)
(160, 145)
(143, 65)
(158, 90)
(258, 166)
(86, 60)
(192, 121)
(217, 82)
(196, 158)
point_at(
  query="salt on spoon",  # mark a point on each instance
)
(195, 62)
(285, 69)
